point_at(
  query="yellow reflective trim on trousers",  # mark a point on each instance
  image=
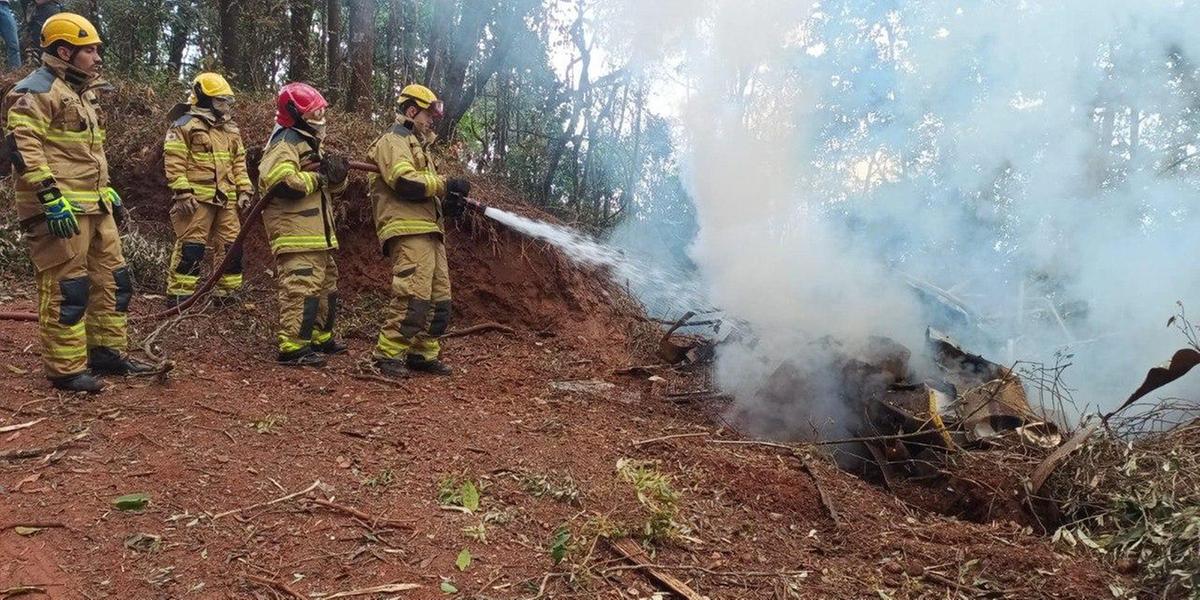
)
(68, 352)
(230, 281)
(181, 285)
(64, 332)
(388, 347)
(320, 337)
(303, 242)
(117, 320)
(289, 344)
(407, 227)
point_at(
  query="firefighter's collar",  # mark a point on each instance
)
(78, 80)
(207, 115)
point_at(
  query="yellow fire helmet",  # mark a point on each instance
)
(210, 84)
(70, 28)
(422, 96)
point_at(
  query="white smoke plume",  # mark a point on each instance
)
(1012, 153)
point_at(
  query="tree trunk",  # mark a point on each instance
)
(300, 40)
(228, 16)
(559, 145)
(441, 15)
(181, 26)
(362, 54)
(333, 47)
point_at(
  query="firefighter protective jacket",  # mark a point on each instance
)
(299, 216)
(408, 190)
(204, 156)
(54, 134)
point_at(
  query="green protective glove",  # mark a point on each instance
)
(60, 213)
(119, 212)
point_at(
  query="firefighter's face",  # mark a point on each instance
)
(423, 120)
(87, 59)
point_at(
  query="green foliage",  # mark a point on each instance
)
(459, 490)
(562, 488)
(657, 496)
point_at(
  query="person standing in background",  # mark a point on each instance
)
(36, 14)
(8, 32)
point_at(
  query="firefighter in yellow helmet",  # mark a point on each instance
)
(301, 180)
(55, 138)
(411, 202)
(205, 163)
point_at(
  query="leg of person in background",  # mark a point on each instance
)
(301, 276)
(426, 350)
(8, 31)
(323, 340)
(224, 232)
(191, 236)
(110, 286)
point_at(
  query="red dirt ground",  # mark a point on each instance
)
(229, 429)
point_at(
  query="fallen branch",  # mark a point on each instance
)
(35, 452)
(373, 520)
(489, 326)
(35, 525)
(634, 554)
(671, 437)
(379, 589)
(826, 501)
(8, 428)
(275, 501)
(278, 585)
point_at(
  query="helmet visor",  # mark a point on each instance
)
(436, 109)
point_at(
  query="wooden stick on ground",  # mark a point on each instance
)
(373, 520)
(489, 326)
(826, 500)
(671, 437)
(33, 525)
(275, 501)
(35, 452)
(8, 428)
(278, 585)
(634, 554)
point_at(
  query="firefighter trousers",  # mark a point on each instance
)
(209, 228)
(308, 300)
(84, 290)
(419, 311)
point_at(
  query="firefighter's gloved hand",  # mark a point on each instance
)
(119, 212)
(334, 169)
(60, 213)
(455, 203)
(244, 200)
(458, 187)
(185, 204)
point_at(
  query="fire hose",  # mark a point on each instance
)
(231, 253)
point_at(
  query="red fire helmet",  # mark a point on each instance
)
(294, 100)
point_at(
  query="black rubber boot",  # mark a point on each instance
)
(304, 357)
(391, 367)
(330, 347)
(81, 382)
(432, 366)
(106, 361)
